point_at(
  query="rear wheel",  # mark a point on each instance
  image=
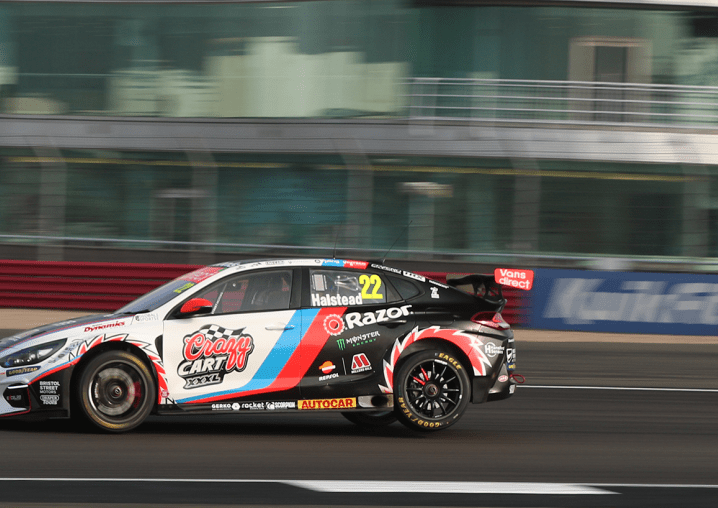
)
(431, 390)
(116, 391)
(371, 419)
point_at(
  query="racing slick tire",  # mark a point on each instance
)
(431, 390)
(116, 391)
(373, 419)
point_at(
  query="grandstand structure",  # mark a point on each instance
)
(551, 133)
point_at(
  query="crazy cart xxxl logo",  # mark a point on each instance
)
(211, 352)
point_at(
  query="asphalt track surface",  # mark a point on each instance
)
(565, 437)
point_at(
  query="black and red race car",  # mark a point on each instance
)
(373, 342)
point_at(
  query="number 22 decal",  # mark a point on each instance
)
(372, 282)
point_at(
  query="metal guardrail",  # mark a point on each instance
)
(529, 259)
(561, 102)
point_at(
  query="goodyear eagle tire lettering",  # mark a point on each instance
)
(432, 390)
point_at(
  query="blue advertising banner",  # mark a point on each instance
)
(625, 302)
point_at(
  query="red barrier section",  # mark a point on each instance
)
(70, 285)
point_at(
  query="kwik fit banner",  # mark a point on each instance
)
(627, 302)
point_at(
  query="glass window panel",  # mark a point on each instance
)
(334, 288)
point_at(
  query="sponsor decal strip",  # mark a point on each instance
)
(284, 367)
(275, 373)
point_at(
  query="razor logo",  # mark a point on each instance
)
(357, 319)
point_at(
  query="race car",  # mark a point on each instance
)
(373, 342)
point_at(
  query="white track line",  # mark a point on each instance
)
(622, 388)
(359, 486)
(450, 487)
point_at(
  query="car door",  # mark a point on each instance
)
(246, 347)
(354, 316)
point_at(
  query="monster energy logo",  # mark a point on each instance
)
(358, 340)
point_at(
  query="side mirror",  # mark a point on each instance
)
(196, 306)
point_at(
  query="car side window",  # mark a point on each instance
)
(251, 292)
(406, 289)
(331, 288)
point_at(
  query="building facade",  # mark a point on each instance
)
(551, 130)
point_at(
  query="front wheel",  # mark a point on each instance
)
(116, 391)
(431, 390)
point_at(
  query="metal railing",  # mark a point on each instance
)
(445, 99)
(226, 250)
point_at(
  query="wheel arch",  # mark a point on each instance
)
(112, 346)
(435, 343)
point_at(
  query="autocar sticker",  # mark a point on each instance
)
(344, 403)
(471, 345)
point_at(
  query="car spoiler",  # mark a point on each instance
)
(480, 285)
(488, 286)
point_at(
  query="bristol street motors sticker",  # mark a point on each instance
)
(520, 279)
(346, 403)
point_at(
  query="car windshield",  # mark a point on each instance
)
(163, 294)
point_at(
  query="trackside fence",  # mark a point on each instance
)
(71, 285)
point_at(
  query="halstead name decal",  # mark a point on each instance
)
(335, 301)
(211, 352)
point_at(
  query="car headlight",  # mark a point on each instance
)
(31, 355)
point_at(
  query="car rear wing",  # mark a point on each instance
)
(487, 287)
(481, 285)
